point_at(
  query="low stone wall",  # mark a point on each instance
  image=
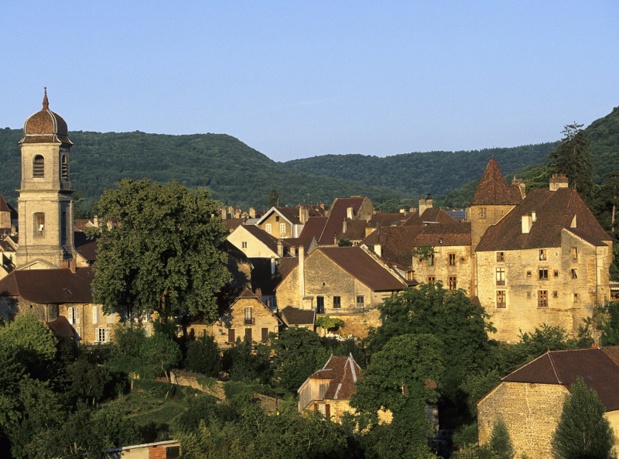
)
(189, 379)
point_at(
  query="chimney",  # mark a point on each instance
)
(521, 186)
(301, 269)
(526, 224)
(273, 266)
(349, 213)
(95, 221)
(280, 248)
(252, 212)
(533, 217)
(558, 181)
(425, 203)
(344, 226)
(429, 201)
(378, 249)
(303, 214)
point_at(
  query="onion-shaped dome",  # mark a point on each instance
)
(46, 126)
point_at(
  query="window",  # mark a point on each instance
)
(431, 259)
(72, 315)
(172, 452)
(542, 298)
(247, 314)
(501, 299)
(63, 228)
(543, 274)
(244, 244)
(529, 273)
(277, 218)
(39, 224)
(556, 273)
(95, 314)
(409, 275)
(500, 276)
(64, 168)
(282, 228)
(248, 337)
(574, 272)
(576, 299)
(431, 279)
(452, 259)
(500, 257)
(543, 255)
(102, 335)
(574, 253)
(555, 294)
(337, 302)
(265, 335)
(327, 410)
(482, 213)
(452, 283)
(38, 167)
(360, 301)
(320, 304)
(231, 337)
(267, 228)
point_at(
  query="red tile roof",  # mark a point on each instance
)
(554, 211)
(343, 372)
(312, 229)
(596, 368)
(50, 286)
(493, 189)
(364, 267)
(337, 214)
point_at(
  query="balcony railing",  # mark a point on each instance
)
(250, 321)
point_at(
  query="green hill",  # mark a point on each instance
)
(235, 173)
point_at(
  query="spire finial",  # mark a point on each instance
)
(45, 101)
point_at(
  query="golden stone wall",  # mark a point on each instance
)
(442, 270)
(573, 285)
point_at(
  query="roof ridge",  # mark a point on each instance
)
(554, 370)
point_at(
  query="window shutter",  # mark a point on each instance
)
(95, 314)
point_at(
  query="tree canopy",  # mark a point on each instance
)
(161, 252)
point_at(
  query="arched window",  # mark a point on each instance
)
(38, 167)
(64, 168)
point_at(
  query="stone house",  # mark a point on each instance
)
(248, 318)
(254, 242)
(530, 400)
(329, 389)
(347, 219)
(338, 280)
(546, 261)
(167, 449)
(284, 222)
(50, 293)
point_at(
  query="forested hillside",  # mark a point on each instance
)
(235, 173)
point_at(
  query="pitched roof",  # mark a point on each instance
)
(431, 215)
(343, 372)
(312, 229)
(61, 328)
(261, 277)
(387, 219)
(264, 237)
(596, 368)
(289, 213)
(295, 316)
(86, 247)
(50, 286)
(554, 211)
(337, 214)
(364, 267)
(4, 207)
(493, 189)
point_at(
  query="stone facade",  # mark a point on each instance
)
(450, 265)
(530, 413)
(247, 319)
(558, 286)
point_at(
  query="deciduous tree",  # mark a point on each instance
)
(161, 252)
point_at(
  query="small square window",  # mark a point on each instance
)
(576, 299)
(431, 279)
(244, 245)
(500, 257)
(574, 273)
(360, 301)
(555, 294)
(556, 273)
(543, 255)
(529, 274)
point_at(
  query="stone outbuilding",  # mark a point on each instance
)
(530, 400)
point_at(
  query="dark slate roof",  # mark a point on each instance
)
(362, 266)
(295, 316)
(86, 247)
(554, 211)
(382, 219)
(233, 223)
(493, 189)
(337, 214)
(4, 207)
(596, 368)
(50, 286)
(343, 372)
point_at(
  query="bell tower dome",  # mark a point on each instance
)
(45, 200)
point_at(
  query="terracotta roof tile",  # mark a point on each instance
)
(596, 368)
(361, 265)
(343, 372)
(554, 211)
(337, 214)
(493, 189)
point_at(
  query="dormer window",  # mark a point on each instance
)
(38, 167)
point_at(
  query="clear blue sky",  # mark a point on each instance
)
(303, 78)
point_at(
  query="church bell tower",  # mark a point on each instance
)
(45, 200)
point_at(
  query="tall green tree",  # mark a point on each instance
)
(161, 254)
(573, 158)
(500, 442)
(583, 431)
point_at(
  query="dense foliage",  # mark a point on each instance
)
(161, 254)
